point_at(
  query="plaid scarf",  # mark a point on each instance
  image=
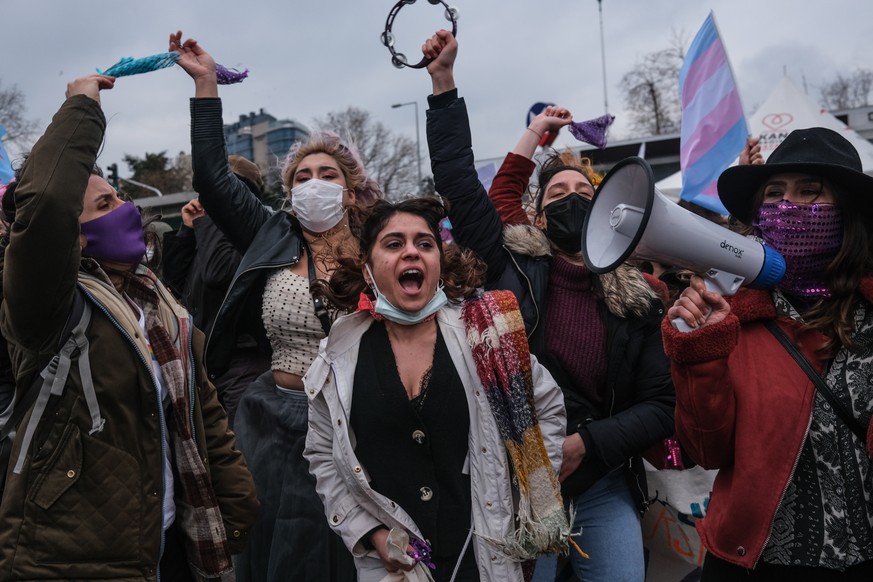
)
(496, 334)
(199, 516)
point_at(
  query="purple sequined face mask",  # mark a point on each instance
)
(808, 236)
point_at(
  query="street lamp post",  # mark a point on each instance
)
(417, 138)
(603, 57)
(141, 185)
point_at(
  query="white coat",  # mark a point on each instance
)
(353, 508)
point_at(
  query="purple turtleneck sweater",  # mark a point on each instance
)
(574, 328)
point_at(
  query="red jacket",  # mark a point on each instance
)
(744, 406)
(508, 187)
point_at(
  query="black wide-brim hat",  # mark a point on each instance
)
(818, 151)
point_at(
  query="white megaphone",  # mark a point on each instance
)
(630, 219)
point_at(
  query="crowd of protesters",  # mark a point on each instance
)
(334, 392)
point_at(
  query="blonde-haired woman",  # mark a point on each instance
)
(270, 302)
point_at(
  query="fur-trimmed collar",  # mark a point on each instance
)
(624, 291)
(525, 239)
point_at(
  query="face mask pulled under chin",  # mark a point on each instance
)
(317, 204)
(394, 314)
(116, 236)
(564, 221)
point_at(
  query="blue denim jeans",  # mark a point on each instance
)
(611, 533)
(611, 536)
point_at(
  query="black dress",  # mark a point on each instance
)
(415, 450)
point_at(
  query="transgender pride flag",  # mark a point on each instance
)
(6, 173)
(713, 125)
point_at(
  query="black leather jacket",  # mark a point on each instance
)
(640, 410)
(199, 264)
(267, 240)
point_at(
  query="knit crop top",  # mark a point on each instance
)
(289, 319)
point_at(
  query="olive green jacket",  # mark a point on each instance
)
(87, 504)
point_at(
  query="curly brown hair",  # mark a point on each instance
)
(460, 269)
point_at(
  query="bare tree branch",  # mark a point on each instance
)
(651, 89)
(20, 131)
(388, 158)
(848, 92)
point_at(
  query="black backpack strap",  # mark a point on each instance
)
(845, 414)
(317, 301)
(28, 398)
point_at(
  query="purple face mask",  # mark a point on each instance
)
(808, 236)
(116, 236)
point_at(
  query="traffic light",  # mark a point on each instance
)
(113, 175)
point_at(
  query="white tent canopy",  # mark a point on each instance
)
(786, 109)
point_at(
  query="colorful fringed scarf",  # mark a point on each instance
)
(228, 76)
(130, 66)
(496, 334)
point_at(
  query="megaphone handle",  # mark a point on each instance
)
(680, 324)
(719, 282)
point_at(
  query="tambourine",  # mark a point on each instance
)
(399, 59)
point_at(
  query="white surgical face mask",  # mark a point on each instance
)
(317, 204)
(387, 309)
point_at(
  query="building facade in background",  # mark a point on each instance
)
(859, 119)
(265, 140)
(262, 138)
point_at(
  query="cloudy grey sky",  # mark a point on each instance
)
(307, 58)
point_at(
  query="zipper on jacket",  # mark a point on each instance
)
(533, 297)
(192, 379)
(237, 278)
(163, 421)
(611, 334)
(787, 484)
(644, 495)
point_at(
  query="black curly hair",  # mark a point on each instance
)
(461, 270)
